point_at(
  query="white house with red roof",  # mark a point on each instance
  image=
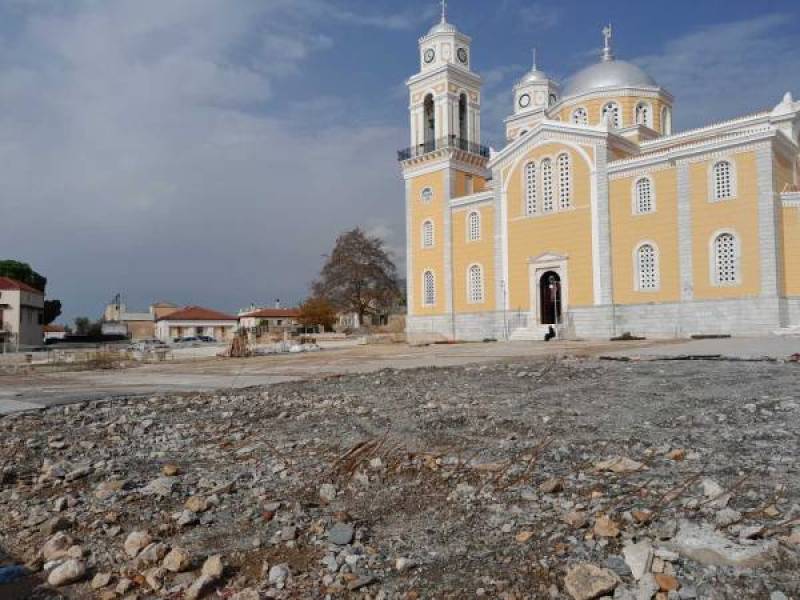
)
(21, 314)
(191, 321)
(269, 319)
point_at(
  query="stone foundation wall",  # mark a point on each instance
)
(750, 316)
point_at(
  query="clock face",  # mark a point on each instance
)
(524, 100)
(553, 99)
(429, 55)
(462, 55)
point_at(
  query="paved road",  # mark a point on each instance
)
(771, 347)
(37, 390)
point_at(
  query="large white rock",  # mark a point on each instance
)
(213, 567)
(703, 544)
(68, 572)
(587, 582)
(177, 560)
(136, 542)
(639, 557)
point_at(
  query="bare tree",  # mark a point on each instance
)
(358, 276)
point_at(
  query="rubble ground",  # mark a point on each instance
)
(550, 478)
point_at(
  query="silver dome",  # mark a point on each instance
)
(533, 76)
(443, 27)
(608, 74)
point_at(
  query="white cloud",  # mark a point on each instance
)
(539, 16)
(140, 155)
(730, 69)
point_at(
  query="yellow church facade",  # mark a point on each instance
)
(595, 219)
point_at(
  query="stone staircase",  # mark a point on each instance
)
(531, 333)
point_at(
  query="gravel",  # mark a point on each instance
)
(557, 478)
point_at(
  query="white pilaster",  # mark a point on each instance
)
(685, 249)
(768, 223)
(448, 240)
(409, 252)
(601, 234)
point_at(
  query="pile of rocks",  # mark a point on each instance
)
(553, 479)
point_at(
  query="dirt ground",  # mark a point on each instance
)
(433, 482)
(22, 389)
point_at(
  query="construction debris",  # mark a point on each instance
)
(549, 479)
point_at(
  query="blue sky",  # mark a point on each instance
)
(209, 151)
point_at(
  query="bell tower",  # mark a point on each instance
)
(445, 160)
(533, 95)
(445, 93)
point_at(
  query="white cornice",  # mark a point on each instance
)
(692, 152)
(451, 70)
(446, 158)
(480, 197)
(790, 199)
(455, 34)
(706, 131)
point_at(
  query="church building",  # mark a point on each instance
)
(596, 218)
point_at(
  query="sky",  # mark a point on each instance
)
(209, 151)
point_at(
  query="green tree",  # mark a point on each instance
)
(317, 311)
(82, 325)
(52, 310)
(22, 272)
(358, 276)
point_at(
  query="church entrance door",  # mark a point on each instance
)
(550, 298)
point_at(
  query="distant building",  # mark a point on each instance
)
(193, 321)
(117, 320)
(54, 332)
(21, 314)
(269, 320)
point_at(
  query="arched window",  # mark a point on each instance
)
(547, 185)
(531, 204)
(428, 289)
(644, 114)
(646, 270)
(666, 121)
(474, 226)
(426, 195)
(564, 181)
(644, 200)
(722, 180)
(462, 117)
(725, 259)
(580, 116)
(429, 123)
(611, 114)
(475, 284)
(427, 234)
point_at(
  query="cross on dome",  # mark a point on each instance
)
(608, 33)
